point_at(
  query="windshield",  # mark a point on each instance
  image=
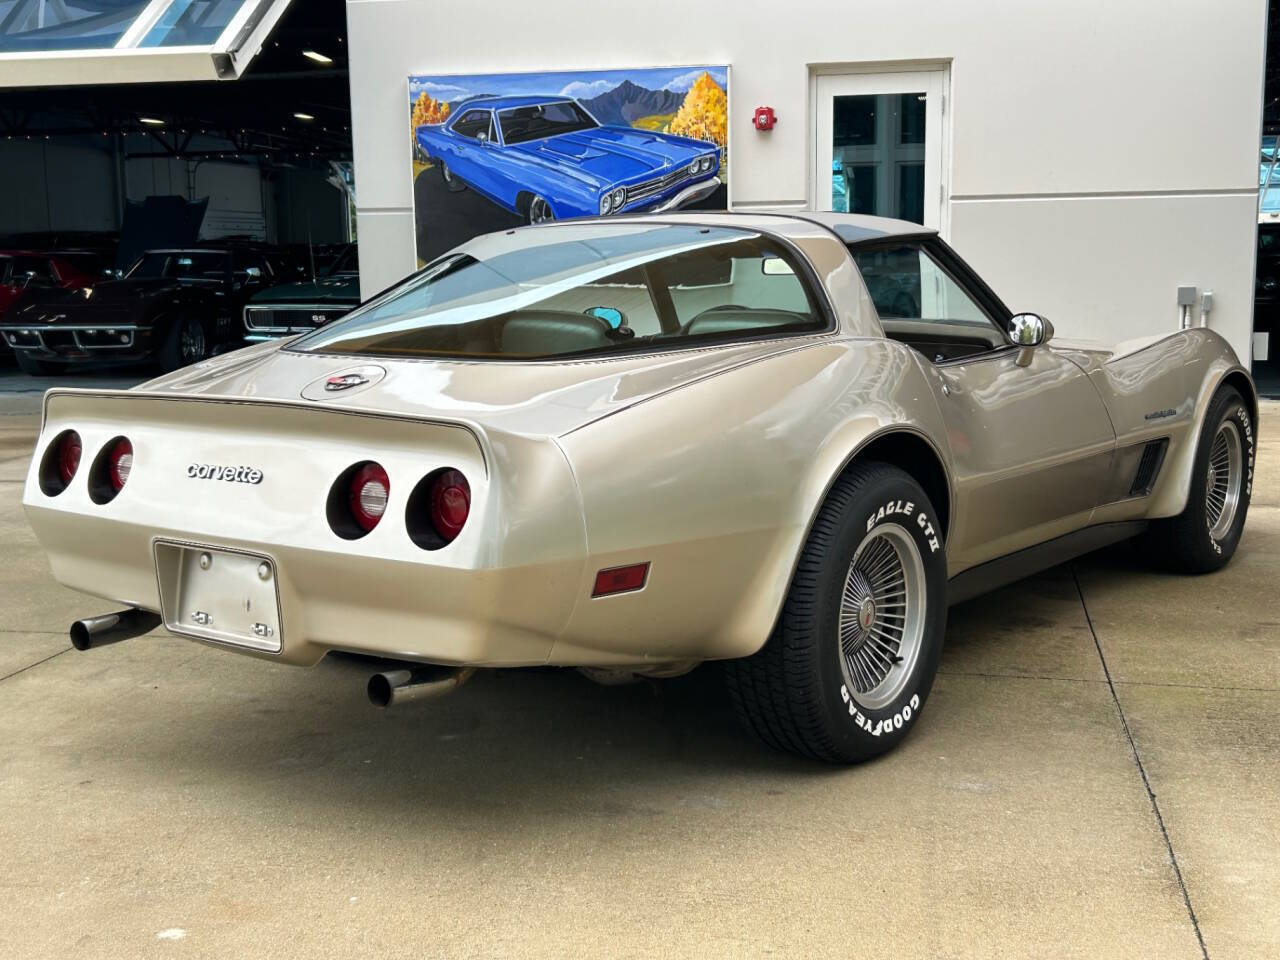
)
(543, 120)
(23, 269)
(182, 265)
(347, 262)
(584, 290)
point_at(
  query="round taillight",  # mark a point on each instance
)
(121, 460)
(110, 470)
(450, 503)
(60, 463)
(69, 450)
(438, 508)
(368, 495)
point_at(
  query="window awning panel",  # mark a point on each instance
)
(57, 42)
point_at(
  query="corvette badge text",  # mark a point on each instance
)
(210, 471)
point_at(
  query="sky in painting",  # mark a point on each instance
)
(582, 84)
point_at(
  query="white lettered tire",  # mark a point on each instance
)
(1203, 538)
(848, 668)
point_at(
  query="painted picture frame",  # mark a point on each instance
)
(491, 151)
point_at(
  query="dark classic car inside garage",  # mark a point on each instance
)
(567, 481)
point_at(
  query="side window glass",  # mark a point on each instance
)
(473, 124)
(906, 284)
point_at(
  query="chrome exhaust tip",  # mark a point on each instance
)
(417, 683)
(112, 628)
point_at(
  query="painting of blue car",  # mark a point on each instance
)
(547, 158)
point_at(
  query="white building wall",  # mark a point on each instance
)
(1101, 152)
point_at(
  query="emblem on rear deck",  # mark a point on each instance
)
(344, 381)
(213, 471)
(341, 384)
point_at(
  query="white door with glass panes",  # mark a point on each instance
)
(880, 144)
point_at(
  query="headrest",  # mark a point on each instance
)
(550, 332)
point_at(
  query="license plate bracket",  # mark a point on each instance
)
(212, 593)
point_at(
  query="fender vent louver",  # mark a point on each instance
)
(1148, 467)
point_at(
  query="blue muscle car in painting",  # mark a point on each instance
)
(546, 158)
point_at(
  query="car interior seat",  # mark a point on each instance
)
(540, 333)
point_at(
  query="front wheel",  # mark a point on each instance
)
(1204, 537)
(852, 658)
(540, 211)
(184, 344)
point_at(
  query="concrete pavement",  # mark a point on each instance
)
(1095, 776)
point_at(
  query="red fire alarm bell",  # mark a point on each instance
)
(765, 118)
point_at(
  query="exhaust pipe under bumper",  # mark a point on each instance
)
(112, 628)
(416, 683)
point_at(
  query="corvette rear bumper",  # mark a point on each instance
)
(499, 594)
(329, 599)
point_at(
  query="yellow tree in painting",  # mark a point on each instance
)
(426, 109)
(704, 113)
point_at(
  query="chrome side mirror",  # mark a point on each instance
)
(1028, 331)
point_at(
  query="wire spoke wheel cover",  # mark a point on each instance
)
(882, 620)
(192, 342)
(1225, 476)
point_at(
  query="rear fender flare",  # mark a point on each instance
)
(1223, 369)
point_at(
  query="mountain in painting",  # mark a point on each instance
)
(628, 102)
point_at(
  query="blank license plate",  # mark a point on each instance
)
(221, 595)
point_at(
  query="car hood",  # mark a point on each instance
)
(340, 289)
(80, 303)
(610, 155)
(109, 291)
(532, 399)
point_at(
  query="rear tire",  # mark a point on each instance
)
(1204, 537)
(852, 658)
(33, 367)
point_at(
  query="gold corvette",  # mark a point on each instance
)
(784, 442)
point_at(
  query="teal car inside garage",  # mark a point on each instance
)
(290, 308)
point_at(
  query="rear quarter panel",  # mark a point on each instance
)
(716, 485)
(1160, 388)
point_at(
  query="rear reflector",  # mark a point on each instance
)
(121, 463)
(621, 579)
(370, 489)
